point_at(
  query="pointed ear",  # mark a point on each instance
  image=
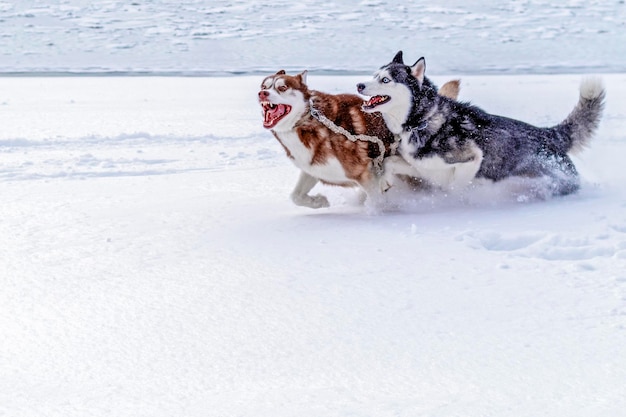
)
(281, 72)
(418, 70)
(398, 58)
(451, 89)
(302, 76)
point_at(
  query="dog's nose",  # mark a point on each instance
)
(264, 94)
(360, 87)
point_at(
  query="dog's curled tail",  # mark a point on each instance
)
(583, 121)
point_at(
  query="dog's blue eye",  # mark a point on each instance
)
(385, 80)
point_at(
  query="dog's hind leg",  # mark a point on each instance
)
(550, 175)
(300, 194)
(564, 176)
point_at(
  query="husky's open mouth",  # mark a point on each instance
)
(375, 101)
(272, 113)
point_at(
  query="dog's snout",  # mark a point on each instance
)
(263, 94)
(360, 87)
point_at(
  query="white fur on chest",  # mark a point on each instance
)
(436, 170)
(331, 171)
(394, 123)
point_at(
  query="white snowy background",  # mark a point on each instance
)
(152, 264)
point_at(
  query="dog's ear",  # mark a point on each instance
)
(281, 72)
(302, 76)
(450, 89)
(398, 58)
(419, 69)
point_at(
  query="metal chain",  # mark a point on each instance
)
(378, 161)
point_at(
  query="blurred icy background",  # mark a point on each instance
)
(200, 37)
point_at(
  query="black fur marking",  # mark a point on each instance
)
(398, 58)
(417, 138)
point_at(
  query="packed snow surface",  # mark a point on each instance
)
(153, 265)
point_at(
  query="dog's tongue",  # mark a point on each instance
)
(272, 115)
(374, 101)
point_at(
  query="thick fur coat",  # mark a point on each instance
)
(450, 143)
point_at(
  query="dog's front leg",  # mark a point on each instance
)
(395, 165)
(300, 194)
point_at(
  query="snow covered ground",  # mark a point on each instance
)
(153, 265)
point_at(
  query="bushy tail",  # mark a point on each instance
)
(583, 121)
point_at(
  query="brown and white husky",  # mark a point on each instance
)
(319, 152)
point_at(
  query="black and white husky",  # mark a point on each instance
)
(450, 143)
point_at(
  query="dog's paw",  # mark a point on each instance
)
(384, 185)
(315, 201)
(385, 182)
(319, 201)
